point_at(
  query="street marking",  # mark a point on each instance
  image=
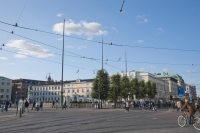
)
(154, 118)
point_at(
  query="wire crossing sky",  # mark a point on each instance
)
(158, 36)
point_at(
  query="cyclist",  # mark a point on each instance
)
(191, 110)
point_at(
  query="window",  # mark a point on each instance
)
(55, 93)
(87, 84)
(37, 93)
(87, 96)
(87, 90)
(46, 93)
(73, 91)
(2, 90)
(68, 85)
(46, 88)
(8, 83)
(52, 93)
(68, 91)
(58, 88)
(52, 98)
(43, 88)
(52, 88)
(7, 90)
(40, 93)
(2, 83)
(82, 96)
(64, 91)
(55, 88)
(1, 96)
(49, 99)
(37, 88)
(7, 96)
(77, 90)
(49, 88)
(82, 90)
(49, 93)
(58, 93)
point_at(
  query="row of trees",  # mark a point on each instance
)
(120, 87)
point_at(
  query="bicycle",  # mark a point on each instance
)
(182, 121)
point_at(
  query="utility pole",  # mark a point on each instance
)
(126, 64)
(102, 71)
(61, 97)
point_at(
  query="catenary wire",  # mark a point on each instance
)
(120, 45)
(80, 56)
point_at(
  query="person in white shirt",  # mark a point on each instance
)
(37, 105)
(127, 106)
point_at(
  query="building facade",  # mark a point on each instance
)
(164, 87)
(74, 90)
(20, 88)
(190, 90)
(5, 89)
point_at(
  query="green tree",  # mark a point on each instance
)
(153, 90)
(115, 89)
(101, 85)
(142, 88)
(125, 87)
(148, 88)
(134, 88)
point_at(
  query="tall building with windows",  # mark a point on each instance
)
(5, 89)
(20, 87)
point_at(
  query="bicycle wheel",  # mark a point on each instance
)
(196, 123)
(181, 121)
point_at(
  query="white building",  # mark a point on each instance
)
(5, 89)
(191, 90)
(75, 90)
(165, 88)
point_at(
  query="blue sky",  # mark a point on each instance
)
(155, 23)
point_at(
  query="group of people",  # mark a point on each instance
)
(150, 105)
(7, 104)
(37, 105)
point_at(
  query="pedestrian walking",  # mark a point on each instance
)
(10, 104)
(153, 106)
(53, 104)
(179, 103)
(138, 104)
(134, 104)
(41, 105)
(33, 106)
(37, 105)
(65, 104)
(127, 106)
(149, 105)
(7, 104)
(27, 105)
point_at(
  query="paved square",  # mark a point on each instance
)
(96, 121)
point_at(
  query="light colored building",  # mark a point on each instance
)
(191, 90)
(6, 89)
(164, 87)
(74, 90)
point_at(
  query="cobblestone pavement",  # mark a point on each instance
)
(95, 120)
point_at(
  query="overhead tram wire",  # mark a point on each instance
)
(120, 45)
(16, 22)
(47, 60)
(80, 56)
(115, 28)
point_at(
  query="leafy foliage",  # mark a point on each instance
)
(153, 90)
(115, 88)
(134, 88)
(148, 88)
(142, 88)
(101, 84)
(125, 87)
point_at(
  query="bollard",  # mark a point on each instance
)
(20, 113)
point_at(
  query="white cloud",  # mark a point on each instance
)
(80, 28)
(59, 39)
(2, 74)
(70, 47)
(141, 69)
(59, 15)
(140, 41)
(114, 29)
(81, 47)
(90, 38)
(190, 71)
(28, 49)
(3, 58)
(10, 63)
(140, 16)
(152, 67)
(166, 70)
(145, 21)
(160, 29)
